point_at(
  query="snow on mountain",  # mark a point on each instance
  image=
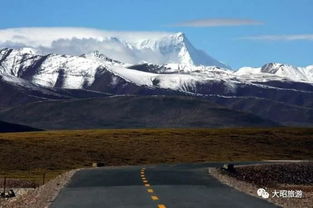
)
(128, 47)
(308, 72)
(78, 72)
(248, 70)
(26, 85)
(50, 69)
(82, 72)
(277, 71)
(14, 60)
(288, 71)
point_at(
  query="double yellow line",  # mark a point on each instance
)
(145, 181)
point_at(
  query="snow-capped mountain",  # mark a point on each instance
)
(82, 72)
(94, 72)
(128, 47)
(277, 70)
(73, 72)
(28, 76)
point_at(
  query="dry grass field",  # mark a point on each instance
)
(55, 151)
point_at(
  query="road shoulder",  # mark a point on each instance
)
(251, 189)
(42, 196)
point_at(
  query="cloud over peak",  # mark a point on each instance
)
(126, 46)
(44, 36)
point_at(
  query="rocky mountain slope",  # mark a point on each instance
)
(269, 91)
(131, 112)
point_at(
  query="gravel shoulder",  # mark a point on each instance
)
(40, 197)
(272, 177)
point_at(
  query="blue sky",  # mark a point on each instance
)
(274, 31)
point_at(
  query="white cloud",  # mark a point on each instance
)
(217, 22)
(119, 45)
(44, 36)
(125, 46)
(280, 37)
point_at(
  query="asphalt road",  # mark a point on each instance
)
(162, 186)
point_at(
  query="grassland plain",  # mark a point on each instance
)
(57, 151)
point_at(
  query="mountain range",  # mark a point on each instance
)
(276, 94)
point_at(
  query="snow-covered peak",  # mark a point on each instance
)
(284, 71)
(274, 68)
(80, 72)
(96, 55)
(19, 51)
(27, 51)
(128, 47)
(287, 71)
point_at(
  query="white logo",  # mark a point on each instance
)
(263, 193)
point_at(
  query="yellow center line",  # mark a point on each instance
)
(150, 190)
(154, 198)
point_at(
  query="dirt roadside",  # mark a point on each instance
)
(40, 197)
(273, 178)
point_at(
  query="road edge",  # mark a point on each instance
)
(241, 186)
(43, 196)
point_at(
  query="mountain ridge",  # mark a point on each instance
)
(33, 77)
(22, 63)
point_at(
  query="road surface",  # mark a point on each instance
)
(160, 186)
